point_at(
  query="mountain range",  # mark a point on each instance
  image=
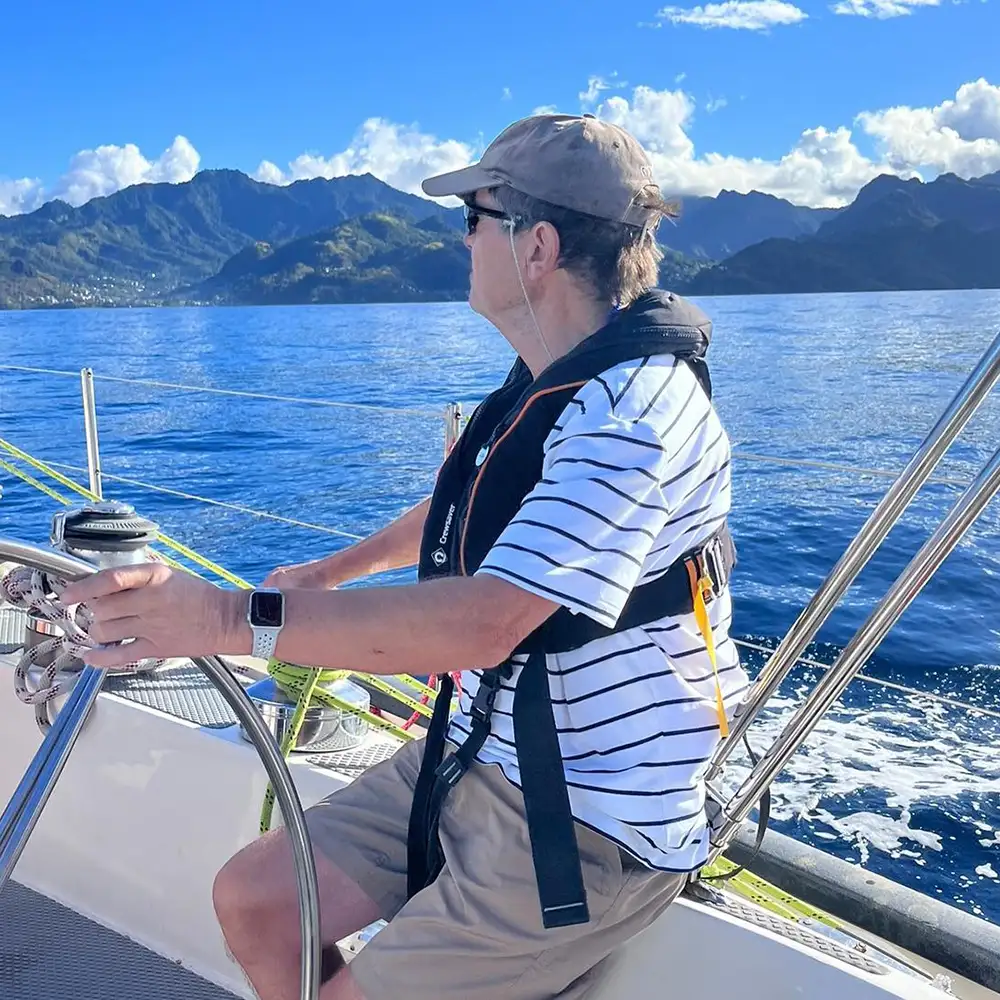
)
(225, 238)
(896, 235)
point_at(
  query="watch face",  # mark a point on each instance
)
(266, 610)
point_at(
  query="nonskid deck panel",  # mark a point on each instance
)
(49, 952)
(185, 693)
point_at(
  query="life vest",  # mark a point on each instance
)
(493, 466)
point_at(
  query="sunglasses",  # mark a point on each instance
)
(474, 212)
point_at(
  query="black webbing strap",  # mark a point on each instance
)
(551, 828)
(668, 595)
(438, 777)
(418, 844)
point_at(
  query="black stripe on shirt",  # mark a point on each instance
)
(643, 763)
(659, 392)
(562, 565)
(579, 541)
(694, 465)
(607, 389)
(628, 384)
(636, 791)
(663, 822)
(633, 712)
(676, 871)
(681, 412)
(587, 510)
(604, 657)
(628, 439)
(617, 687)
(614, 489)
(637, 743)
(611, 468)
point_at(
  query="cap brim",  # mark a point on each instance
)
(459, 182)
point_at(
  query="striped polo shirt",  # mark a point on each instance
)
(636, 471)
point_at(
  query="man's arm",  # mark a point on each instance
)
(454, 623)
(396, 546)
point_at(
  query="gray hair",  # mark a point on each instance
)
(616, 261)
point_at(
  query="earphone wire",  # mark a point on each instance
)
(517, 267)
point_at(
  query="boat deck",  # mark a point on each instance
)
(49, 952)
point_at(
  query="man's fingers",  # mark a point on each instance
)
(122, 604)
(118, 656)
(111, 581)
(116, 629)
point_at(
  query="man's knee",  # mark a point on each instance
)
(256, 891)
(255, 884)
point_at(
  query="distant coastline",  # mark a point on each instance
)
(225, 239)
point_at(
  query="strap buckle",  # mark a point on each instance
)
(484, 700)
(711, 562)
(451, 770)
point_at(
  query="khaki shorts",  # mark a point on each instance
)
(475, 933)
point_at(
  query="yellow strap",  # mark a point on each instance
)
(699, 588)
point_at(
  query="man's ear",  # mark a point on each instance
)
(545, 250)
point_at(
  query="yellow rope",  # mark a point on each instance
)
(305, 684)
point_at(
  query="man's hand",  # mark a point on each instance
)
(168, 612)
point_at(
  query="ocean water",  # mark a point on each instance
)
(900, 784)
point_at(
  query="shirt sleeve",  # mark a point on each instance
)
(582, 534)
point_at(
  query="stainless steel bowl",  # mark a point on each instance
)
(323, 729)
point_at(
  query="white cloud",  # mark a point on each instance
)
(24, 195)
(505, 94)
(745, 15)
(400, 155)
(824, 167)
(594, 87)
(106, 169)
(961, 135)
(880, 9)
(714, 104)
(101, 171)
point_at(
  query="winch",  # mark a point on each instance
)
(105, 533)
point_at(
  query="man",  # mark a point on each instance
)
(573, 563)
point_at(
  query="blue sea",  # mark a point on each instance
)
(900, 784)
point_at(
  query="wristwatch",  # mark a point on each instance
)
(266, 616)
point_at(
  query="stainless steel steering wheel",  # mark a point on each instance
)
(25, 807)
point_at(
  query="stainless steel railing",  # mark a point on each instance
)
(885, 515)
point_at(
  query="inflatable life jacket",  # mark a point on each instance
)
(493, 466)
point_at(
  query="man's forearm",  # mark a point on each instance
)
(395, 546)
(456, 623)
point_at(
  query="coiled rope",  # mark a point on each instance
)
(39, 594)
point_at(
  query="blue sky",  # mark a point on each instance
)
(740, 93)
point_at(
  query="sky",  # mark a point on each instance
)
(806, 100)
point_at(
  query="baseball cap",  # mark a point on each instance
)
(577, 162)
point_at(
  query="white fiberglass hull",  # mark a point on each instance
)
(150, 806)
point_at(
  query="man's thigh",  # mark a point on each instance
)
(477, 930)
(362, 828)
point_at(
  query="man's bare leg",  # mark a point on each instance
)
(256, 902)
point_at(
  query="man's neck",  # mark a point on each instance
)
(563, 325)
